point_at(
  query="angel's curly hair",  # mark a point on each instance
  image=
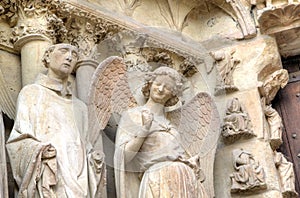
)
(49, 50)
(164, 70)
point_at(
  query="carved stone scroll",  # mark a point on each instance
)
(237, 123)
(248, 176)
(225, 65)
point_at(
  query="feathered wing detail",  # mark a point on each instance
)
(109, 93)
(198, 123)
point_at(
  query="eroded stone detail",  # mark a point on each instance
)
(237, 123)
(249, 175)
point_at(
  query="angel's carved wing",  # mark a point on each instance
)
(198, 123)
(109, 93)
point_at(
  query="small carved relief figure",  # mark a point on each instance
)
(158, 153)
(225, 65)
(286, 174)
(48, 150)
(274, 126)
(268, 88)
(236, 122)
(248, 175)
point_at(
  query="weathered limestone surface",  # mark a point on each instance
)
(226, 48)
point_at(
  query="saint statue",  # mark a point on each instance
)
(48, 150)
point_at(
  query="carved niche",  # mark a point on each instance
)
(236, 122)
(248, 175)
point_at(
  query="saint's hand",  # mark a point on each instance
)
(49, 152)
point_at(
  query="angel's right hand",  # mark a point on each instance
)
(147, 118)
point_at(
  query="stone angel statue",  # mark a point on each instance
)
(157, 153)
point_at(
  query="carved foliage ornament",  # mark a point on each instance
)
(85, 29)
(37, 17)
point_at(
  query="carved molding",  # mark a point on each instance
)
(279, 19)
(244, 17)
(142, 53)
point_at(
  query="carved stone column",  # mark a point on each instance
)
(33, 33)
(84, 72)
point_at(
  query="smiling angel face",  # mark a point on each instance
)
(163, 85)
(162, 89)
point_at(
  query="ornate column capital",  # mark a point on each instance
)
(36, 21)
(84, 29)
(86, 62)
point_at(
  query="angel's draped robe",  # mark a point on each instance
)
(158, 169)
(44, 117)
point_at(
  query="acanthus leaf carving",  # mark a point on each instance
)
(84, 30)
(36, 17)
(8, 11)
